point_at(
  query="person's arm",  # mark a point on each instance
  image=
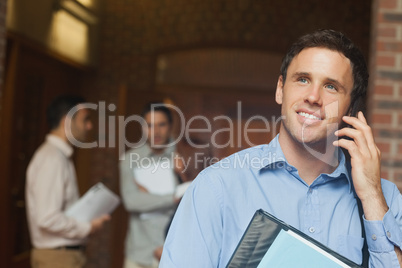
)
(383, 238)
(384, 235)
(195, 236)
(46, 194)
(136, 200)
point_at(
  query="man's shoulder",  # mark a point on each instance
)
(47, 155)
(48, 150)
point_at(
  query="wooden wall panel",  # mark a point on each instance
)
(33, 80)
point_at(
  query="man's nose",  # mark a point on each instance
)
(156, 129)
(313, 95)
(89, 125)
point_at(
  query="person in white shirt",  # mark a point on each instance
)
(149, 200)
(51, 188)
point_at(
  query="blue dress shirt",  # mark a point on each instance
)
(218, 206)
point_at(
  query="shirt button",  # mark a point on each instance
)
(289, 169)
(388, 234)
(311, 229)
(374, 237)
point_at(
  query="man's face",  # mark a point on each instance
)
(81, 125)
(315, 95)
(158, 128)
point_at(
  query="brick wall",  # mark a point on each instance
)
(386, 85)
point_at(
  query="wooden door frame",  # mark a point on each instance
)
(16, 44)
(6, 119)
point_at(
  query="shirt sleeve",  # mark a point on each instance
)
(383, 236)
(47, 194)
(135, 200)
(195, 236)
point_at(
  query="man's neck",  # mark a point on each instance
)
(157, 151)
(308, 165)
(58, 132)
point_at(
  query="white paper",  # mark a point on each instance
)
(158, 180)
(97, 201)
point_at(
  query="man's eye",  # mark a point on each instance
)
(303, 80)
(331, 87)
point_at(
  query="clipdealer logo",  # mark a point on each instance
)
(238, 130)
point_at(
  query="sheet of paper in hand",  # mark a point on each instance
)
(97, 201)
(157, 179)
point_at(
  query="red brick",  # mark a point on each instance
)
(398, 176)
(383, 118)
(384, 90)
(389, 46)
(376, 133)
(386, 61)
(385, 147)
(385, 173)
(387, 31)
(388, 4)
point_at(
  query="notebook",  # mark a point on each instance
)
(270, 242)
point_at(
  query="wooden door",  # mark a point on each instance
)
(32, 80)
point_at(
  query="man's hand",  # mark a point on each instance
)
(366, 168)
(97, 224)
(141, 188)
(366, 165)
(158, 253)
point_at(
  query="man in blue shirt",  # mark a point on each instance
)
(300, 177)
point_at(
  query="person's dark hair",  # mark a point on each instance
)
(59, 107)
(157, 107)
(335, 41)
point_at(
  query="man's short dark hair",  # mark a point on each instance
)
(59, 107)
(335, 41)
(157, 107)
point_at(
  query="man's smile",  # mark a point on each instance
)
(309, 116)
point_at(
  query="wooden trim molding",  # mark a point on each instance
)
(6, 122)
(36, 46)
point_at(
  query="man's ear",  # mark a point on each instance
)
(279, 90)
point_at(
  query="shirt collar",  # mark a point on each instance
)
(342, 170)
(276, 159)
(63, 146)
(273, 155)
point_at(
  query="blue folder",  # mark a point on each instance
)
(270, 242)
